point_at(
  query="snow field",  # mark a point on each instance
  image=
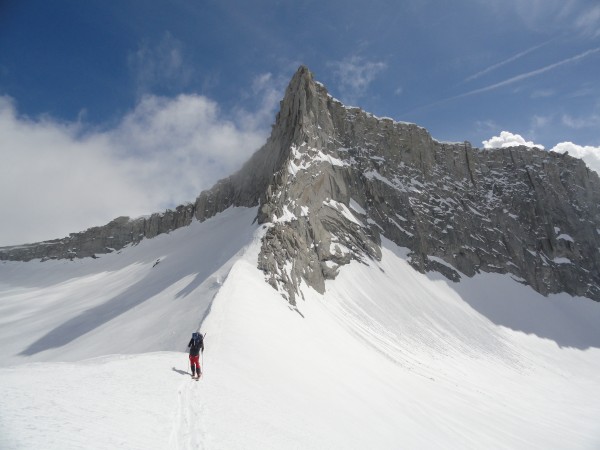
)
(388, 358)
(116, 401)
(441, 375)
(123, 302)
(491, 386)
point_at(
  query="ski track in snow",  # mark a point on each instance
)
(189, 429)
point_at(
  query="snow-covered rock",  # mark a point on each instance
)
(474, 210)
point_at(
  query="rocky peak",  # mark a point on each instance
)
(350, 178)
(304, 109)
(331, 181)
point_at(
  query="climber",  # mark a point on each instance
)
(196, 345)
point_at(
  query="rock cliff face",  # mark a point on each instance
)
(351, 177)
(332, 180)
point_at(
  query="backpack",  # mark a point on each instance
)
(196, 340)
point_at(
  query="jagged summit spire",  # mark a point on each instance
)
(302, 83)
(304, 110)
(302, 74)
(298, 98)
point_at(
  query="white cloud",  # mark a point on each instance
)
(589, 154)
(57, 178)
(588, 21)
(581, 122)
(486, 125)
(574, 16)
(508, 139)
(268, 90)
(161, 64)
(355, 74)
(540, 125)
(540, 121)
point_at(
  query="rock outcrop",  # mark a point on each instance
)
(331, 180)
(351, 177)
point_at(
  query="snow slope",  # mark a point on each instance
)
(387, 358)
(123, 302)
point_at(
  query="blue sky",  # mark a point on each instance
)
(130, 107)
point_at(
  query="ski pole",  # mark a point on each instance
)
(202, 357)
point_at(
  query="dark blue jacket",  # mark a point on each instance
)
(196, 346)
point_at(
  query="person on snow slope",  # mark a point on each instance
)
(196, 346)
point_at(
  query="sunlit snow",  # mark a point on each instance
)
(93, 354)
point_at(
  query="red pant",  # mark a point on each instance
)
(195, 363)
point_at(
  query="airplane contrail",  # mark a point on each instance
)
(512, 80)
(506, 61)
(530, 74)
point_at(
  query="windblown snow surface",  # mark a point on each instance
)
(93, 354)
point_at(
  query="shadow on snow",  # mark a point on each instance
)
(200, 255)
